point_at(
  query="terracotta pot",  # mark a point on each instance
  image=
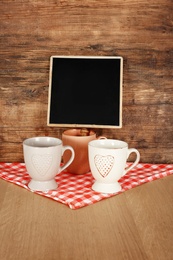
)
(73, 137)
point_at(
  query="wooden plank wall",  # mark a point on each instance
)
(139, 31)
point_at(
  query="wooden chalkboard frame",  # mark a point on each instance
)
(54, 82)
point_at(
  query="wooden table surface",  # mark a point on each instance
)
(137, 224)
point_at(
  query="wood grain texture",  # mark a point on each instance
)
(137, 224)
(140, 32)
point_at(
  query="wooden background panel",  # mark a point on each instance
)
(140, 32)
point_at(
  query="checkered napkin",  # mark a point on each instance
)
(75, 190)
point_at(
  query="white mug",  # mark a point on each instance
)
(42, 156)
(107, 159)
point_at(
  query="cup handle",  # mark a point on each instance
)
(64, 148)
(132, 150)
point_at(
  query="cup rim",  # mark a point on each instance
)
(100, 144)
(33, 141)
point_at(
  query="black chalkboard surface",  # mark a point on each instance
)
(85, 91)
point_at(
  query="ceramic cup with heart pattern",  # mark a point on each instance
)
(107, 159)
(42, 156)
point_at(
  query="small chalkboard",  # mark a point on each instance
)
(85, 91)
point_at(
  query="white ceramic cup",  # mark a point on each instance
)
(107, 159)
(42, 156)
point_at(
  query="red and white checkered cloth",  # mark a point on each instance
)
(75, 190)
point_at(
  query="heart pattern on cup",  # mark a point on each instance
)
(104, 164)
(42, 163)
